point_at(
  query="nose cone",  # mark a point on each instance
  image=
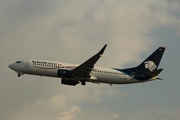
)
(11, 66)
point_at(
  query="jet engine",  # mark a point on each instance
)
(69, 82)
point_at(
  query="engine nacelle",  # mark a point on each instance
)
(65, 73)
(69, 82)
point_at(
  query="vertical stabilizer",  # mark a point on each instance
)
(150, 64)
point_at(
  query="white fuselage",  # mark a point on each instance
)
(50, 69)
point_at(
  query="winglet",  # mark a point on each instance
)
(102, 50)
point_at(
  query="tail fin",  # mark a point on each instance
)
(150, 64)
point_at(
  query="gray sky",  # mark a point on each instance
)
(73, 31)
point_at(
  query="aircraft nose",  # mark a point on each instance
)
(11, 66)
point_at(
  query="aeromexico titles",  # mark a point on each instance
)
(72, 74)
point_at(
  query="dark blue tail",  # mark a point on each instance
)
(148, 66)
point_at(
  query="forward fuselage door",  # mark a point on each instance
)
(27, 64)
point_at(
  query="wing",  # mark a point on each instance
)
(85, 68)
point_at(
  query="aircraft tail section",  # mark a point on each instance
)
(148, 69)
(152, 62)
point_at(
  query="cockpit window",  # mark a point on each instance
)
(18, 61)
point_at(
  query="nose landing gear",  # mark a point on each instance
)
(19, 74)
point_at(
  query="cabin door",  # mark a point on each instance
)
(27, 64)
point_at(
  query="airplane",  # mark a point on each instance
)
(73, 74)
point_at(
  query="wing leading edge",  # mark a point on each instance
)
(85, 68)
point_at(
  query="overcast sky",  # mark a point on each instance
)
(72, 31)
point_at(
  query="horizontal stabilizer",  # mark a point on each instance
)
(154, 73)
(160, 79)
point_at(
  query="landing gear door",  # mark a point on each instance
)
(27, 64)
